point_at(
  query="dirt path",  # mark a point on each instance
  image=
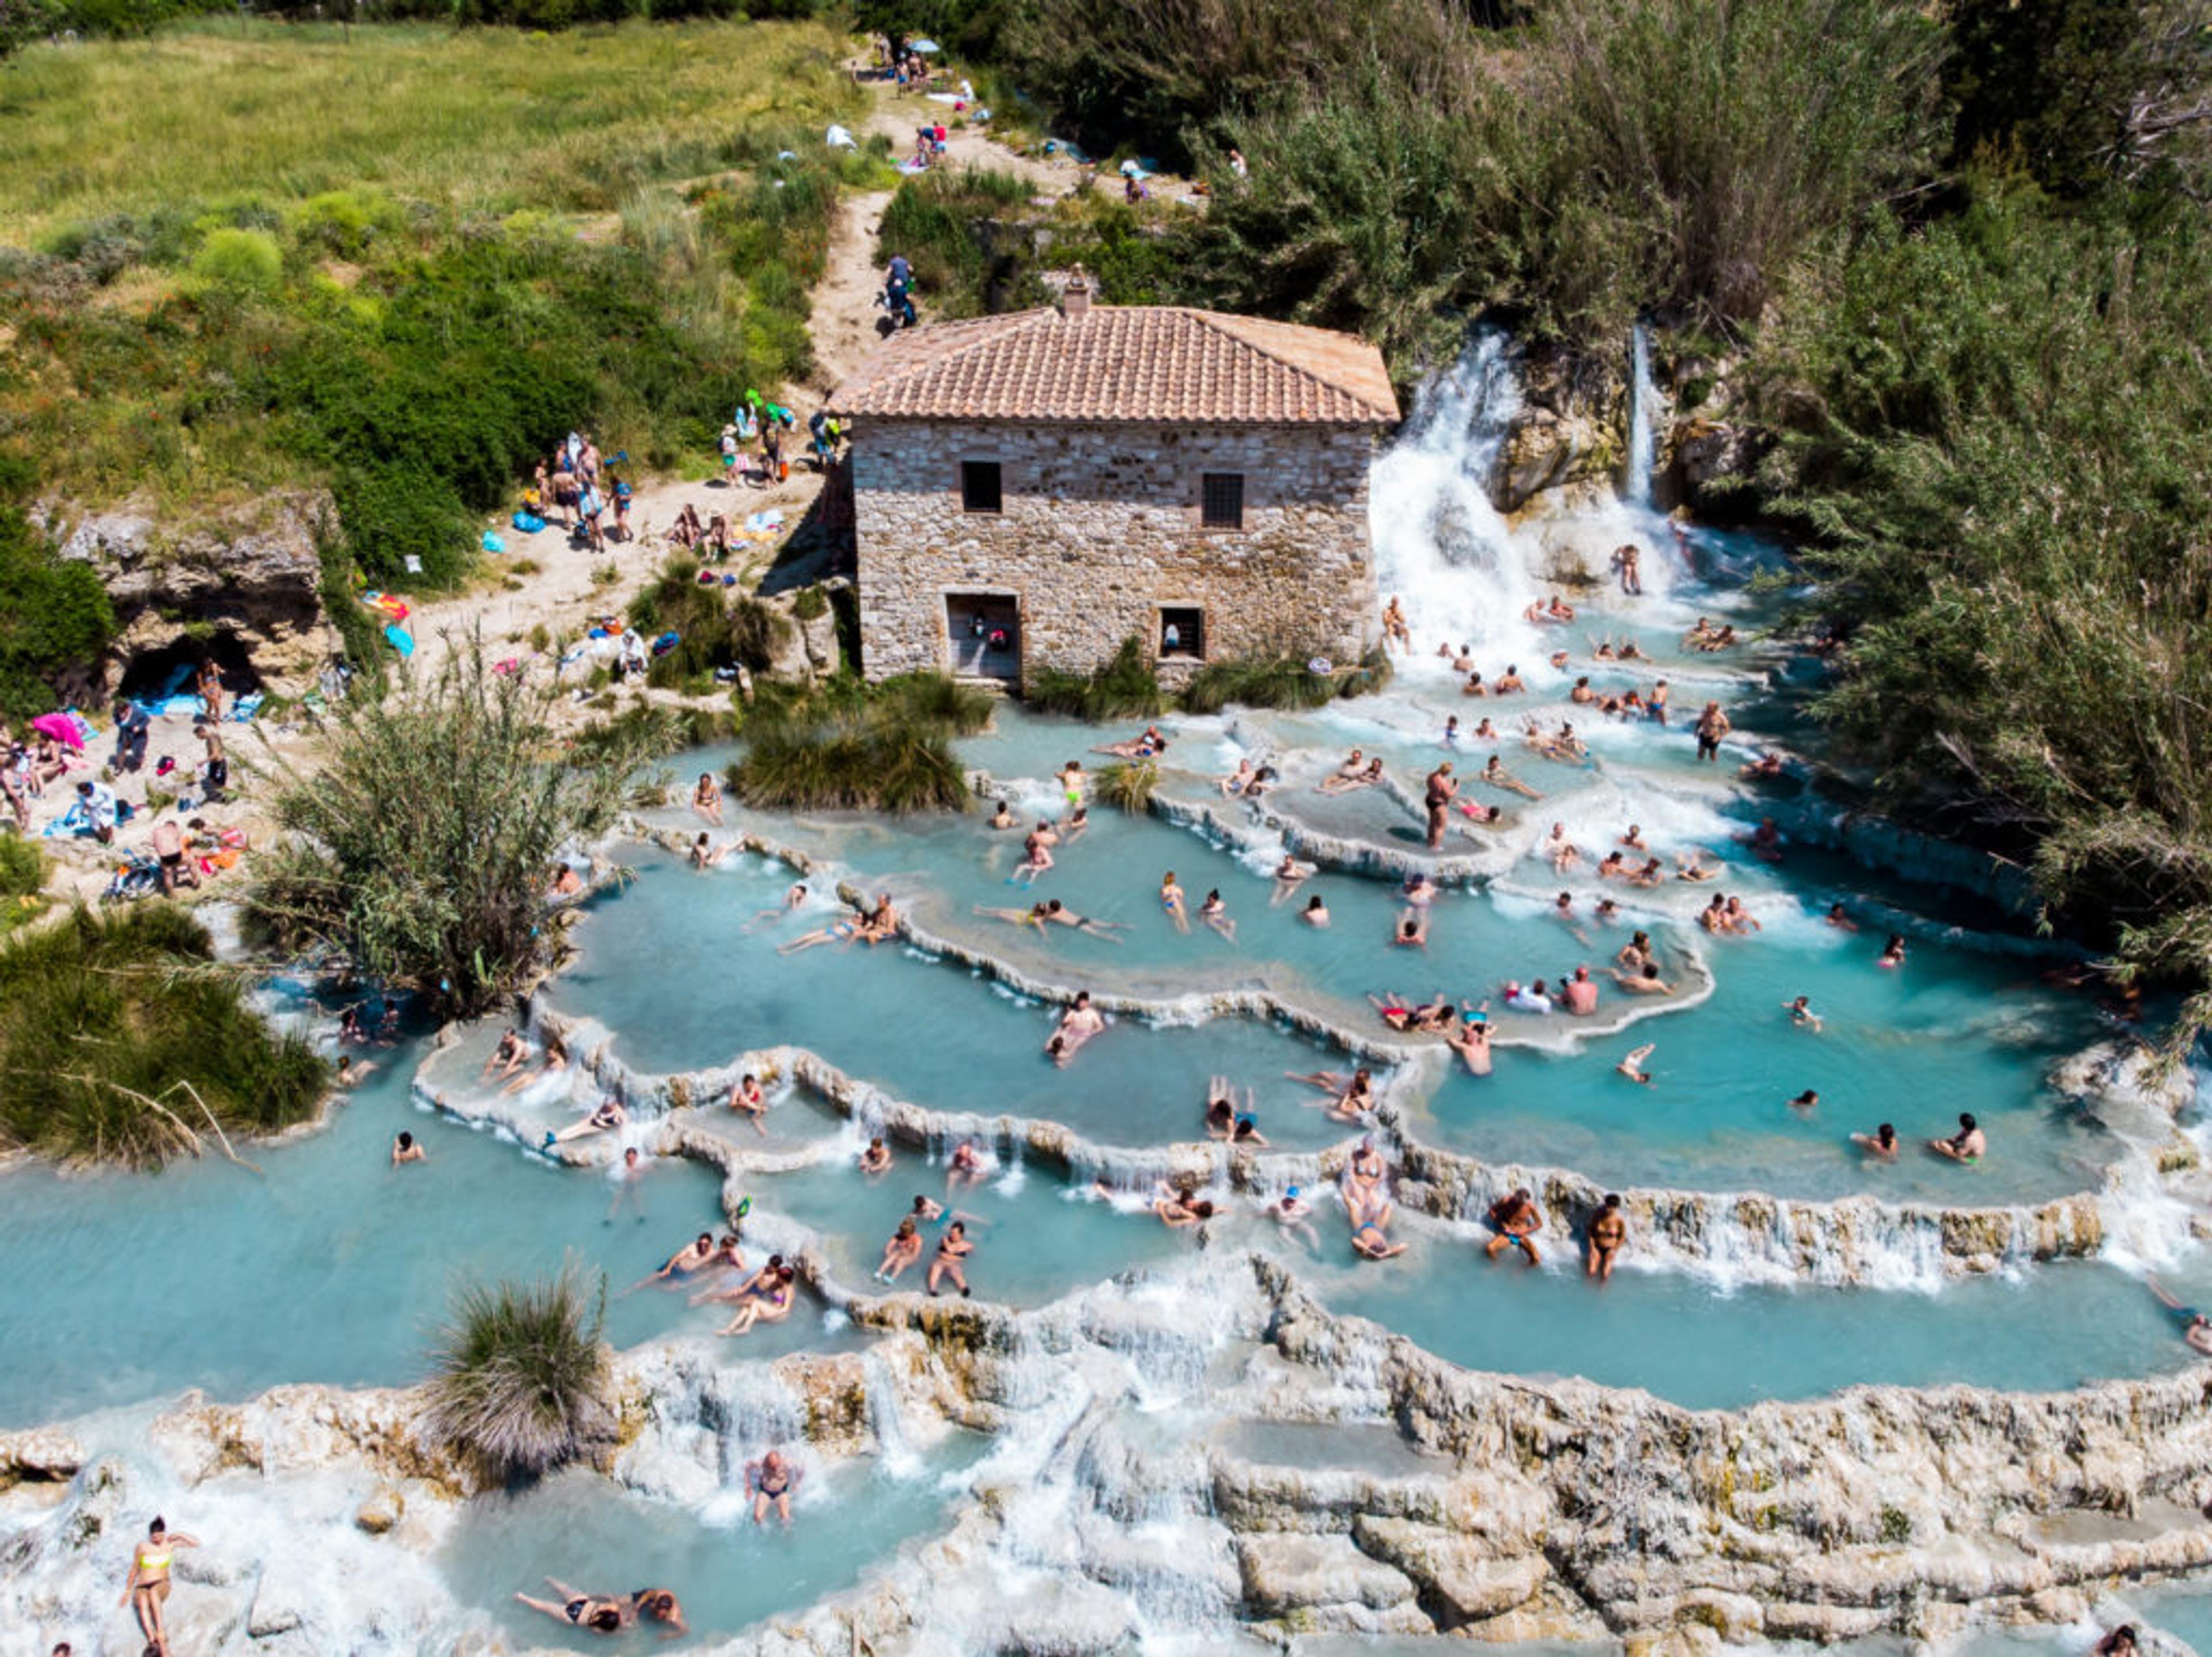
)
(565, 591)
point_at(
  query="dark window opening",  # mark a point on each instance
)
(1182, 632)
(979, 486)
(1221, 500)
(985, 632)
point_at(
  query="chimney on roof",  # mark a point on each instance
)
(1075, 298)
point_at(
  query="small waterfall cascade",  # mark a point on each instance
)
(1441, 545)
(1642, 423)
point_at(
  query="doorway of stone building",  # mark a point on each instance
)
(983, 635)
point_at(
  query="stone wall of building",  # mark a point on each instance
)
(1099, 529)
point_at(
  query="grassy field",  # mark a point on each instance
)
(481, 120)
(401, 265)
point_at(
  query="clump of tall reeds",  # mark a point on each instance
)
(123, 1040)
(521, 1379)
(846, 746)
(422, 844)
(1125, 688)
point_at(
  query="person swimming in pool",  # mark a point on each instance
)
(1289, 875)
(598, 1613)
(1497, 776)
(747, 1285)
(1003, 818)
(404, 1149)
(1316, 913)
(1801, 1014)
(1516, 1219)
(1180, 1206)
(966, 1167)
(1373, 1242)
(1646, 981)
(1881, 1144)
(2195, 1327)
(1632, 1066)
(952, 1252)
(1214, 911)
(1472, 1042)
(1968, 1145)
(1078, 1025)
(770, 1305)
(877, 1159)
(1892, 953)
(902, 1251)
(1293, 1217)
(1172, 902)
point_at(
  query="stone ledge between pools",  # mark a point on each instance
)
(1854, 1241)
(1879, 1508)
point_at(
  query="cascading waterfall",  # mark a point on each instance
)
(1440, 543)
(1642, 440)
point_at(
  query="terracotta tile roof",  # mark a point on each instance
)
(1149, 362)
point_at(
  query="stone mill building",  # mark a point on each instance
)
(1032, 490)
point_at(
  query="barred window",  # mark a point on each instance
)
(1221, 500)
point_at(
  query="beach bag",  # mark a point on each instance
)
(528, 522)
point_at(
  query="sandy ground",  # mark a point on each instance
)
(566, 590)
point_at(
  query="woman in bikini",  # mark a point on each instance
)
(1172, 901)
(706, 798)
(902, 1251)
(952, 1249)
(147, 1592)
(1215, 913)
(600, 1613)
(772, 1306)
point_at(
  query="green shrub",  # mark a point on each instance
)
(22, 867)
(345, 222)
(520, 1386)
(942, 221)
(240, 261)
(1125, 688)
(849, 745)
(123, 1040)
(1128, 784)
(937, 701)
(54, 615)
(1996, 456)
(848, 761)
(1281, 683)
(424, 840)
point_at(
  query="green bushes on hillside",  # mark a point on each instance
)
(54, 615)
(411, 275)
(1999, 456)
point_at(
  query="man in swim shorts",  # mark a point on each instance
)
(1516, 1219)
